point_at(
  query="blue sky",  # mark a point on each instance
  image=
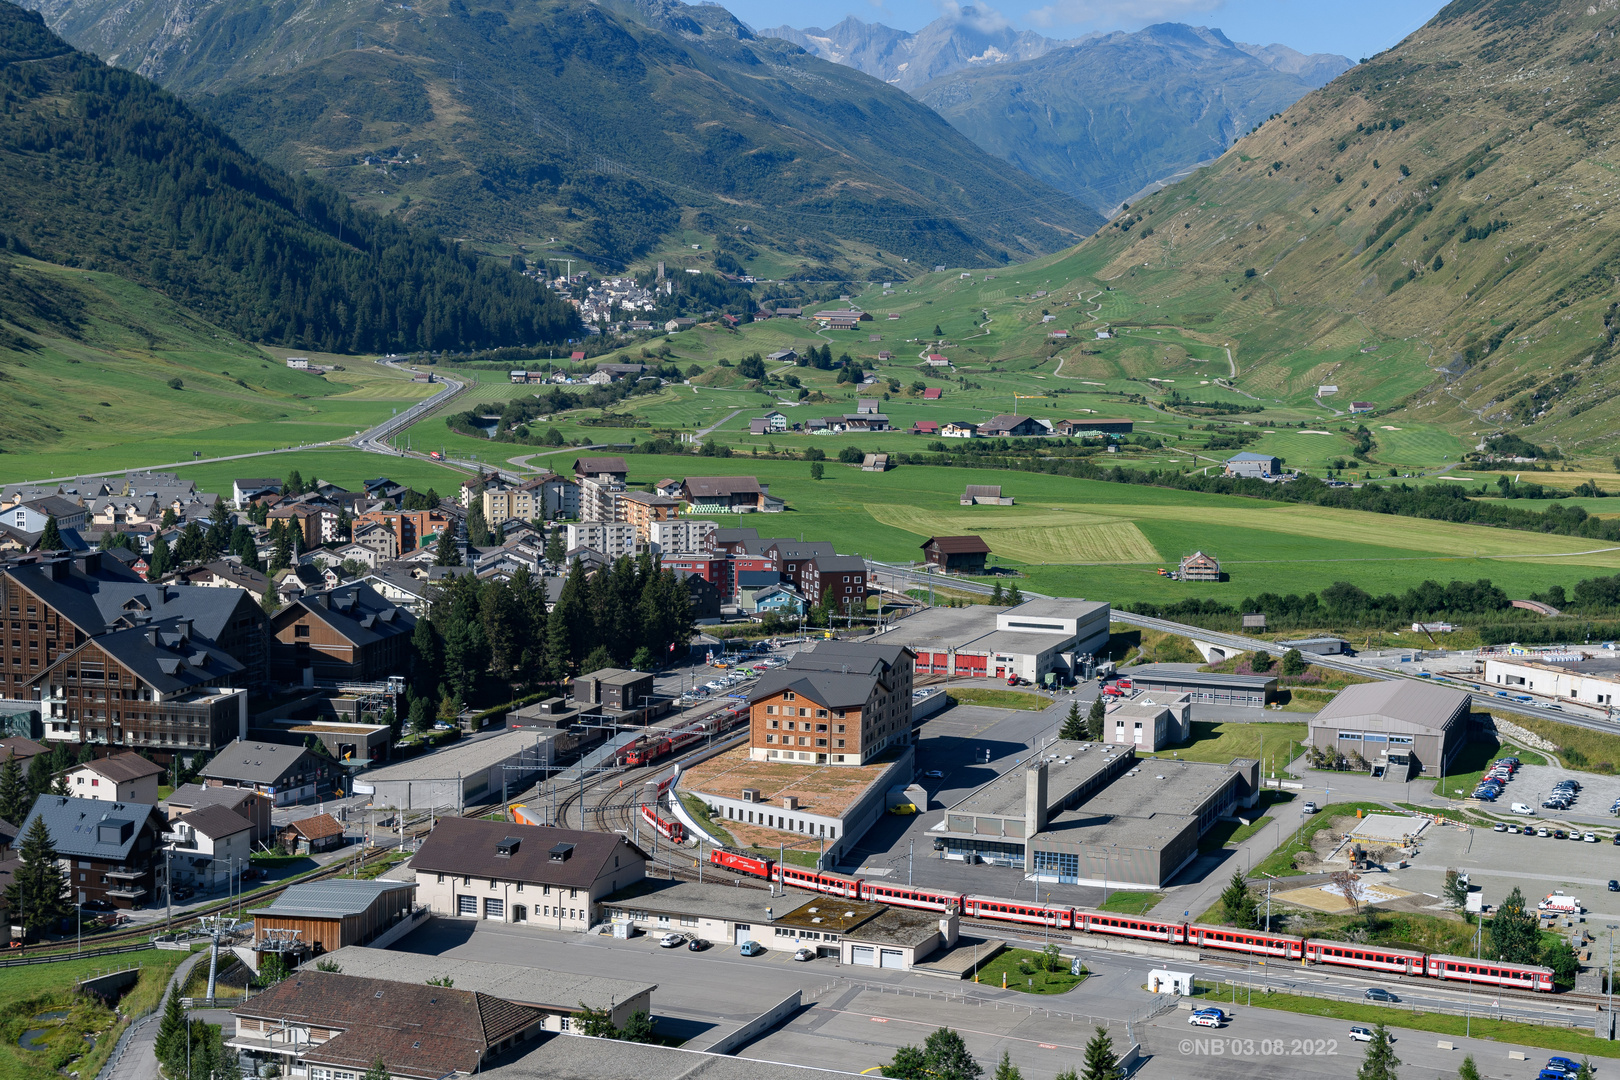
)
(1354, 29)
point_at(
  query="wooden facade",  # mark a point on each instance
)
(326, 934)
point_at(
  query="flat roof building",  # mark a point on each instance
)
(449, 778)
(1395, 729)
(1030, 640)
(1212, 687)
(1590, 678)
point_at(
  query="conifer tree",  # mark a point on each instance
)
(14, 800)
(1006, 1070)
(1074, 728)
(37, 896)
(159, 563)
(1101, 1063)
(51, 538)
(1380, 1062)
(1094, 719)
(171, 1033)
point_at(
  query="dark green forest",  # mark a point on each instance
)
(101, 169)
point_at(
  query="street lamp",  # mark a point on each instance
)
(1609, 985)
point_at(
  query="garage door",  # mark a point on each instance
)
(893, 958)
(466, 905)
(742, 933)
(864, 954)
(494, 909)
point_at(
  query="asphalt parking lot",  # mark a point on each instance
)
(1534, 783)
(1497, 862)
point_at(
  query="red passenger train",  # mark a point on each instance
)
(668, 828)
(1223, 939)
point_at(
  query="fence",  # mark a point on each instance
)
(51, 958)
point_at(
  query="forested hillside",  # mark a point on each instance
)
(101, 169)
(619, 129)
(1447, 207)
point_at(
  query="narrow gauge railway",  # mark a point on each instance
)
(1369, 958)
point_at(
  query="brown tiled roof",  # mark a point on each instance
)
(318, 827)
(122, 768)
(467, 847)
(417, 1029)
(21, 747)
(591, 466)
(958, 545)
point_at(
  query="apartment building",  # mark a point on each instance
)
(842, 703)
(611, 538)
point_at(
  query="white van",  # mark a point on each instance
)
(1561, 903)
(1523, 808)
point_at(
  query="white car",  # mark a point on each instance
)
(1523, 808)
(671, 941)
(1361, 1034)
(1308, 808)
(1590, 838)
(804, 954)
(1205, 1020)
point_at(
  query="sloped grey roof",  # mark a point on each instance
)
(216, 821)
(835, 690)
(1394, 705)
(332, 899)
(76, 826)
(253, 762)
(162, 655)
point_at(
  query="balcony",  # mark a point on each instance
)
(129, 874)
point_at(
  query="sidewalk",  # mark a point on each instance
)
(139, 1059)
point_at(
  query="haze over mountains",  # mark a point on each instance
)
(622, 129)
(1099, 117)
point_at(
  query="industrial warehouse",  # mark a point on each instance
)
(1395, 730)
(1031, 640)
(1093, 814)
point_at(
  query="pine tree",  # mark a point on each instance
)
(281, 554)
(1380, 1062)
(37, 893)
(1238, 900)
(1015, 596)
(60, 785)
(1094, 719)
(1101, 1063)
(1074, 728)
(995, 596)
(378, 1071)
(1007, 1070)
(51, 538)
(14, 800)
(171, 1033)
(293, 485)
(158, 564)
(427, 659)
(477, 525)
(447, 553)
(947, 1057)
(908, 1063)
(1468, 1070)
(39, 777)
(556, 548)
(1067, 1074)
(1514, 935)
(421, 716)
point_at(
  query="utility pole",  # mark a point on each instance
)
(910, 844)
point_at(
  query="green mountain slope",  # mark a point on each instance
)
(615, 129)
(99, 168)
(1104, 119)
(1434, 228)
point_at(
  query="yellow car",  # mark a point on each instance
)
(903, 809)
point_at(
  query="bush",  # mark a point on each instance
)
(851, 455)
(176, 384)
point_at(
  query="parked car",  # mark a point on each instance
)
(1614, 886)
(1308, 808)
(752, 948)
(935, 774)
(804, 954)
(671, 941)
(1360, 1034)
(1204, 1019)
(697, 944)
(1500, 826)
(1558, 834)
(98, 905)
(1512, 828)
(1543, 831)
(1523, 808)
(1378, 993)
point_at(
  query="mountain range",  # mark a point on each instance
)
(1100, 117)
(624, 130)
(971, 38)
(1442, 220)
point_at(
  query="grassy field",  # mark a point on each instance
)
(1131, 903)
(30, 992)
(1000, 699)
(1019, 969)
(1274, 745)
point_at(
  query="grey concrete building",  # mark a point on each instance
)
(1400, 729)
(1212, 687)
(1030, 640)
(447, 779)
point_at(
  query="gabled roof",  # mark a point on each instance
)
(838, 564)
(164, 655)
(196, 796)
(21, 748)
(122, 768)
(317, 827)
(984, 491)
(1250, 456)
(470, 847)
(834, 690)
(215, 822)
(957, 545)
(90, 829)
(931, 394)
(356, 611)
(1005, 421)
(93, 601)
(254, 762)
(708, 487)
(591, 466)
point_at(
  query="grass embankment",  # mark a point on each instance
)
(1281, 861)
(1022, 971)
(700, 810)
(1131, 903)
(999, 699)
(1562, 1040)
(1233, 831)
(28, 992)
(1579, 748)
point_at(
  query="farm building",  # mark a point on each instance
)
(959, 429)
(925, 427)
(1200, 567)
(1259, 466)
(985, 495)
(875, 463)
(1012, 424)
(1086, 426)
(956, 554)
(1399, 729)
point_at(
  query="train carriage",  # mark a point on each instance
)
(1490, 973)
(815, 881)
(1282, 946)
(1097, 922)
(1004, 910)
(907, 896)
(668, 828)
(1366, 957)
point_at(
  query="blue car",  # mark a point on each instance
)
(752, 948)
(1564, 1063)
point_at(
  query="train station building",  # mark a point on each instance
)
(1096, 814)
